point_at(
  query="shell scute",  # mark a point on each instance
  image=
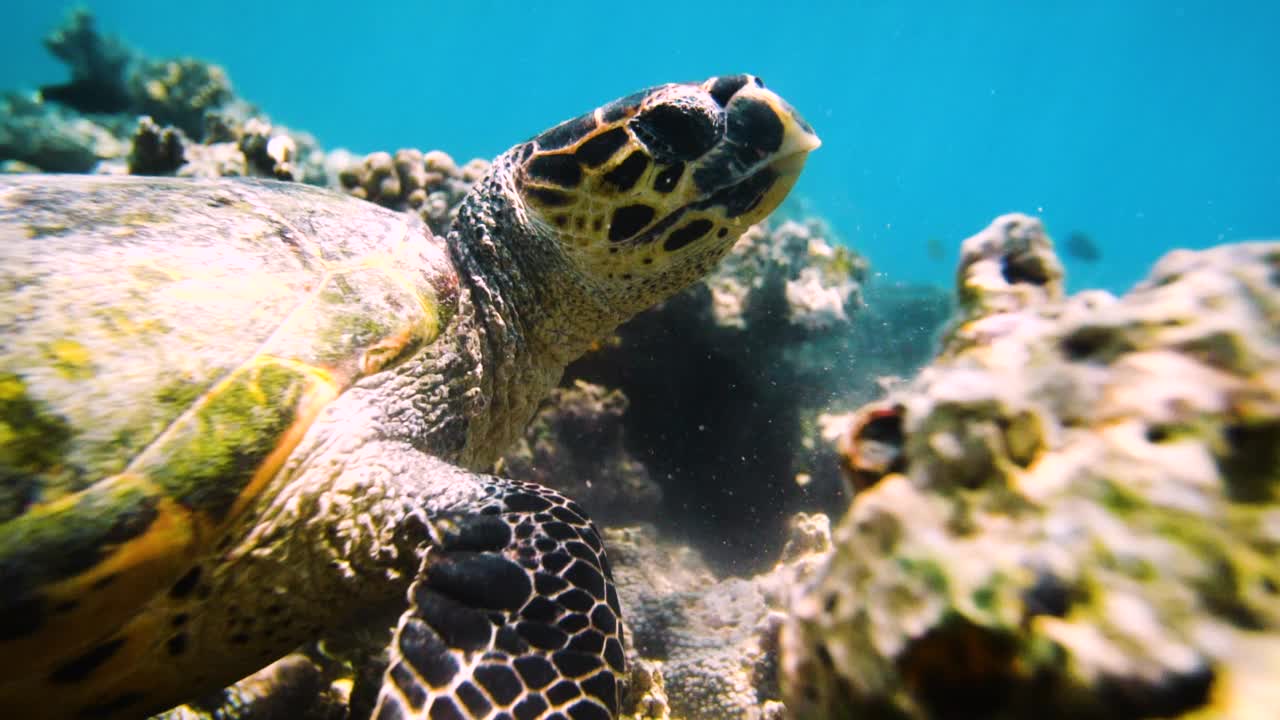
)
(112, 338)
(157, 369)
(214, 452)
(85, 563)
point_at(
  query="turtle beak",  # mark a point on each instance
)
(763, 133)
(798, 140)
(798, 137)
(761, 153)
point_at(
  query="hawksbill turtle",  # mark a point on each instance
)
(236, 414)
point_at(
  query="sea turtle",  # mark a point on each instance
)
(235, 415)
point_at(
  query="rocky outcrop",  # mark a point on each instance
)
(1074, 512)
(708, 644)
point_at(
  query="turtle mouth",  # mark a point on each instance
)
(798, 140)
(791, 164)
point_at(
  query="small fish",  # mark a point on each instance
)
(1082, 247)
(935, 250)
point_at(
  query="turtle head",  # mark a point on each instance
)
(645, 194)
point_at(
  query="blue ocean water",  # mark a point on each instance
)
(1145, 124)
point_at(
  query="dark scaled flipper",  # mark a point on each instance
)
(514, 616)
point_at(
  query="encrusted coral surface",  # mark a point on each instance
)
(713, 640)
(1073, 513)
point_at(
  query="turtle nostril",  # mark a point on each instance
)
(759, 83)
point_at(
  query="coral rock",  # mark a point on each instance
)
(647, 695)
(430, 184)
(47, 137)
(98, 64)
(178, 92)
(1074, 511)
(793, 267)
(715, 641)
(266, 153)
(156, 150)
(1008, 266)
(109, 77)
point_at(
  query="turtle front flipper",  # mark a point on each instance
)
(513, 615)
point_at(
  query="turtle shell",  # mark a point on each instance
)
(166, 343)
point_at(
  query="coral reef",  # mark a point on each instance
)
(712, 643)
(178, 92)
(793, 269)
(575, 445)
(156, 150)
(122, 112)
(109, 77)
(98, 65)
(1074, 512)
(430, 184)
(46, 137)
(774, 337)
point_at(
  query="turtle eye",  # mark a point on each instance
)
(677, 131)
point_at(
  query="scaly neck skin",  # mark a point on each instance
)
(536, 311)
